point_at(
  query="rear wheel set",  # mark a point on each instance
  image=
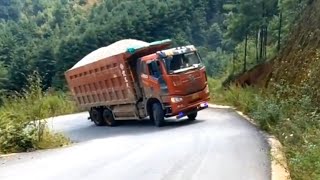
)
(108, 117)
(102, 117)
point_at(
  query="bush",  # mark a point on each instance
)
(15, 138)
(245, 100)
(267, 112)
(22, 118)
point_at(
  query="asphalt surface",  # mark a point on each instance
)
(220, 145)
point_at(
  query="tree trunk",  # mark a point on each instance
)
(262, 36)
(233, 64)
(245, 54)
(257, 46)
(279, 31)
(265, 42)
(261, 44)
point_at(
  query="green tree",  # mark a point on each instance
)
(3, 78)
(52, 36)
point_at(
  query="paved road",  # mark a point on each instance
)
(219, 146)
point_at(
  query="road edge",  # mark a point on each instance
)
(7, 155)
(279, 166)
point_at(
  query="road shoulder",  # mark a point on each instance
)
(279, 165)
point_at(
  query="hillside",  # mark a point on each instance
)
(51, 36)
(289, 106)
(298, 64)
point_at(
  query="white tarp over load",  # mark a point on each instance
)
(116, 48)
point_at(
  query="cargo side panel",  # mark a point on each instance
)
(104, 83)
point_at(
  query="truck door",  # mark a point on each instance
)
(150, 76)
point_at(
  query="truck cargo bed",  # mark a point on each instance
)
(102, 83)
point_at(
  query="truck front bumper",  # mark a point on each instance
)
(199, 107)
(189, 104)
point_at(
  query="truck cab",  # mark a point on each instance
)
(174, 79)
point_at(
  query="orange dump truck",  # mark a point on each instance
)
(132, 79)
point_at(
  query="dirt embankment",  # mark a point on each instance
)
(257, 76)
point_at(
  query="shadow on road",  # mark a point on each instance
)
(88, 131)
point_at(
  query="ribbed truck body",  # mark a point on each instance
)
(104, 78)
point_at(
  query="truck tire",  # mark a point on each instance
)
(157, 115)
(108, 117)
(96, 117)
(193, 116)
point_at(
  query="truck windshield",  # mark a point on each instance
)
(182, 62)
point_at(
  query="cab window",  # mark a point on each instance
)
(154, 69)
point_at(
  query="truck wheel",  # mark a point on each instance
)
(108, 117)
(151, 115)
(157, 115)
(192, 116)
(96, 117)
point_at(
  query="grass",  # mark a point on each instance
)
(52, 140)
(294, 121)
(22, 119)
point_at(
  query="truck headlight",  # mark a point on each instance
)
(176, 99)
